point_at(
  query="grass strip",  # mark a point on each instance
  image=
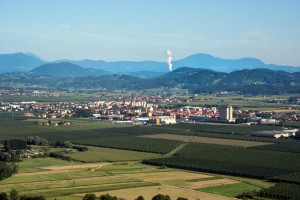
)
(231, 190)
(91, 189)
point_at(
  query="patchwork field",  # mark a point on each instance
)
(123, 179)
(207, 140)
(173, 192)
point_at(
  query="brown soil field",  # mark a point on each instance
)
(207, 140)
(158, 177)
(210, 183)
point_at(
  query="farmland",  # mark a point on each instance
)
(72, 181)
(98, 154)
(232, 160)
(112, 163)
(230, 190)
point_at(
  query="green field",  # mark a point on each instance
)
(36, 165)
(98, 154)
(231, 190)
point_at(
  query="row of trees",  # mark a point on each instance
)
(14, 195)
(109, 197)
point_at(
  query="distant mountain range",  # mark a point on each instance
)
(26, 62)
(246, 81)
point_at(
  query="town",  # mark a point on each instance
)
(144, 109)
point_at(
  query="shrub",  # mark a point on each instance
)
(140, 198)
(108, 197)
(89, 197)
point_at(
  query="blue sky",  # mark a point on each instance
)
(143, 29)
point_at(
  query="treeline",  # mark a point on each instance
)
(15, 144)
(67, 144)
(14, 195)
(109, 197)
(60, 156)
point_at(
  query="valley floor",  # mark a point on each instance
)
(72, 180)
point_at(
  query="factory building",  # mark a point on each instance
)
(226, 113)
(156, 120)
(162, 119)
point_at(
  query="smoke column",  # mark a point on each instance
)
(169, 59)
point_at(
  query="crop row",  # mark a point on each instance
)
(232, 160)
(291, 146)
(292, 177)
(131, 143)
(13, 129)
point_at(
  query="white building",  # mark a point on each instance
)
(274, 133)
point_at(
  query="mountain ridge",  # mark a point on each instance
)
(246, 81)
(66, 69)
(23, 62)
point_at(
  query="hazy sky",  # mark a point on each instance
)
(145, 29)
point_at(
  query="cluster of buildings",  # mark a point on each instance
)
(267, 117)
(141, 110)
(29, 93)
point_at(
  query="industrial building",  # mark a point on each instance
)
(157, 120)
(226, 113)
(275, 133)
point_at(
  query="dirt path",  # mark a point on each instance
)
(81, 166)
(43, 172)
(96, 168)
(174, 150)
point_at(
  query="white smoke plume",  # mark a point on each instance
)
(169, 59)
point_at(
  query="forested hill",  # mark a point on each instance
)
(65, 69)
(254, 81)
